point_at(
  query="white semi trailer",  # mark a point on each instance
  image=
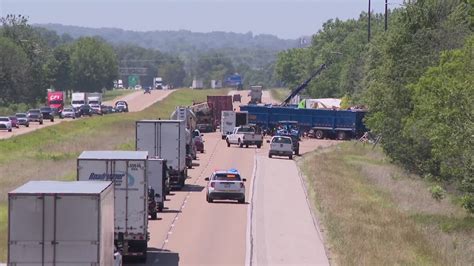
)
(61, 223)
(128, 171)
(165, 139)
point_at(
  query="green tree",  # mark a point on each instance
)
(14, 72)
(443, 116)
(93, 65)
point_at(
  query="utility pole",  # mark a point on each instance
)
(368, 25)
(386, 15)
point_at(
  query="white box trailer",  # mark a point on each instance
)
(165, 139)
(231, 120)
(157, 179)
(127, 169)
(61, 223)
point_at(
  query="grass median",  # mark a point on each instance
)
(374, 213)
(50, 153)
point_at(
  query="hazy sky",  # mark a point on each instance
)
(284, 18)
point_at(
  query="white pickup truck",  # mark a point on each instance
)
(245, 136)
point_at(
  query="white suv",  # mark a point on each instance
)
(5, 123)
(226, 185)
(281, 146)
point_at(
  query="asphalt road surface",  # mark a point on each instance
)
(274, 226)
(137, 101)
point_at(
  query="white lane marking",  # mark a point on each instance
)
(183, 205)
(249, 236)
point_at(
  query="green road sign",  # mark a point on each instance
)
(133, 80)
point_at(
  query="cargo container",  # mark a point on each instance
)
(165, 139)
(340, 124)
(128, 171)
(61, 223)
(231, 120)
(217, 105)
(79, 99)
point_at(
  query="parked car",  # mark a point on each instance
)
(86, 110)
(77, 111)
(198, 141)
(14, 121)
(5, 123)
(23, 119)
(121, 106)
(47, 113)
(35, 115)
(225, 185)
(281, 146)
(68, 113)
(96, 109)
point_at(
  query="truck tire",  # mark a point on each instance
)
(290, 157)
(9, 130)
(27, 125)
(341, 135)
(269, 155)
(241, 145)
(154, 215)
(246, 145)
(223, 137)
(297, 151)
(52, 119)
(228, 143)
(319, 134)
(259, 146)
(241, 200)
(160, 207)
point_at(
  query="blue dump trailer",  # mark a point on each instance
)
(320, 123)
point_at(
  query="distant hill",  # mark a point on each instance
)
(179, 41)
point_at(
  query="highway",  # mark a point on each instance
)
(274, 226)
(137, 101)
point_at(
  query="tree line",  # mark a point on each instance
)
(416, 78)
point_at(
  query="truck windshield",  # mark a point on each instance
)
(56, 102)
(77, 102)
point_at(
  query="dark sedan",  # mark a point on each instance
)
(14, 121)
(35, 115)
(86, 110)
(48, 113)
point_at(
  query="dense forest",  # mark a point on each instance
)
(416, 78)
(252, 56)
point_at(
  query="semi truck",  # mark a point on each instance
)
(78, 99)
(157, 181)
(61, 223)
(56, 100)
(217, 105)
(340, 124)
(204, 117)
(128, 171)
(231, 120)
(255, 94)
(165, 139)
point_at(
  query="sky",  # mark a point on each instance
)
(287, 19)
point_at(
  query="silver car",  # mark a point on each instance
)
(68, 113)
(5, 123)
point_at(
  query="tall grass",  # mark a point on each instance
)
(376, 214)
(50, 153)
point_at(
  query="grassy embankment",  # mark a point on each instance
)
(279, 93)
(50, 153)
(374, 213)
